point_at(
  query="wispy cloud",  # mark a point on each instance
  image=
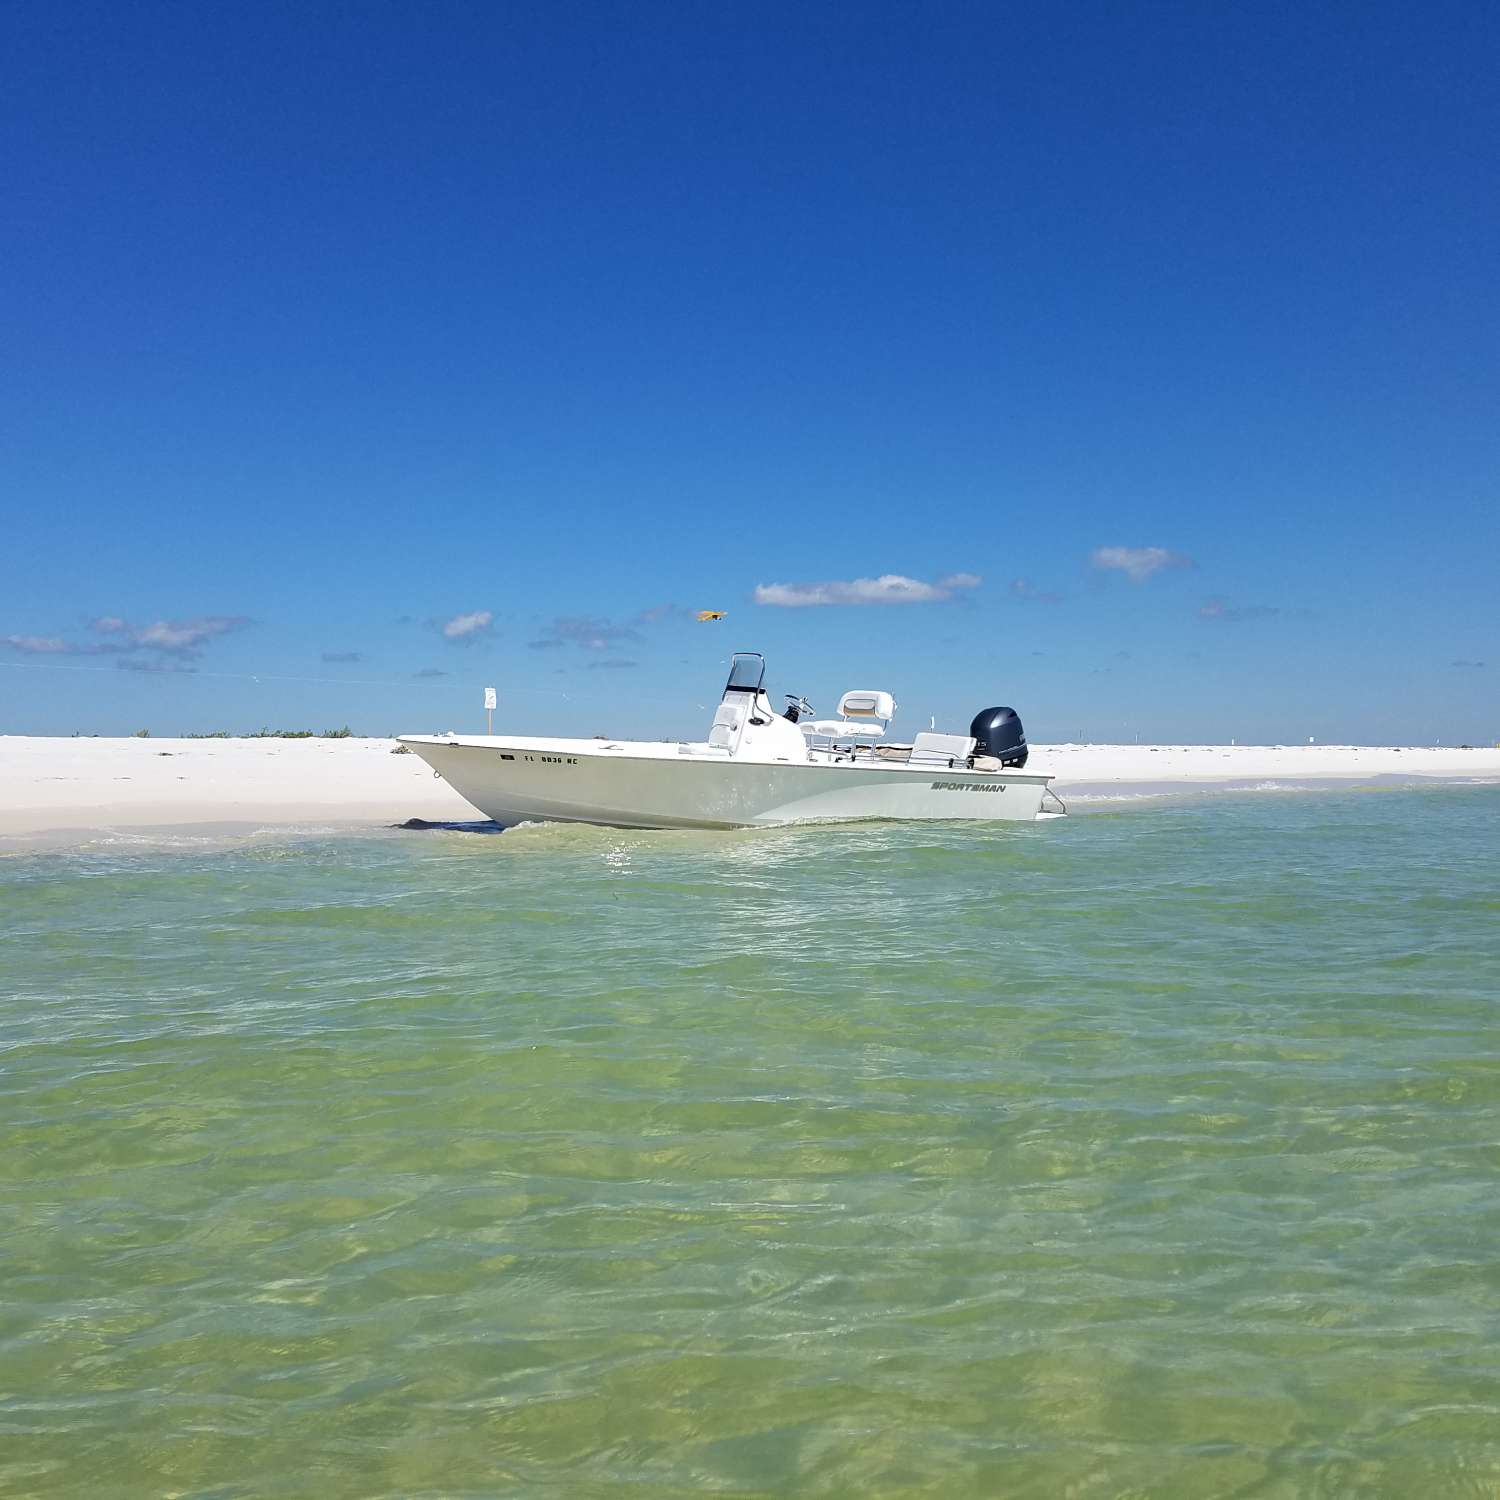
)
(1230, 614)
(38, 645)
(586, 631)
(430, 672)
(183, 637)
(610, 664)
(179, 638)
(659, 612)
(1461, 662)
(468, 628)
(1023, 588)
(594, 633)
(343, 656)
(888, 588)
(1138, 563)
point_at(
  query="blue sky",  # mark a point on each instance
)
(1151, 349)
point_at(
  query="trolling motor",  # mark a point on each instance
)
(998, 732)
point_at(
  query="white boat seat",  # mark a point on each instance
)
(841, 729)
(726, 726)
(867, 703)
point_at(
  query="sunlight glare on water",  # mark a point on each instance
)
(1148, 1153)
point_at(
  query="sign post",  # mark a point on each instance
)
(489, 708)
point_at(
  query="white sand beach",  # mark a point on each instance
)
(1109, 772)
(57, 785)
(63, 784)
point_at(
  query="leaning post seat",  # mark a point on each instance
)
(865, 716)
(840, 729)
(867, 703)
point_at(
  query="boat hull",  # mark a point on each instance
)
(576, 782)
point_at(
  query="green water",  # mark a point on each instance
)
(1154, 1153)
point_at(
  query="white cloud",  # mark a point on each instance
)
(889, 588)
(180, 638)
(175, 635)
(1138, 563)
(468, 627)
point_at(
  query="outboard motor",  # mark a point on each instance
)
(998, 732)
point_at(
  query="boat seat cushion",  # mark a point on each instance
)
(867, 703)
(726, 725)
(841, 729)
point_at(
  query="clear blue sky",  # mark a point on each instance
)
(326, 326)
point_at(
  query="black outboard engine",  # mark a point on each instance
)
(998, 732)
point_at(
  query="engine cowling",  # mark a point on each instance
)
(998, 732)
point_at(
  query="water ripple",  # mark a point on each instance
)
(1150, 1153)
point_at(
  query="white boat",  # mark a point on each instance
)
(757, 767)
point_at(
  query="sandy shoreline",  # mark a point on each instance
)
(1096, 772)
(57, 785)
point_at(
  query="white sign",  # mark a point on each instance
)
(489, 697)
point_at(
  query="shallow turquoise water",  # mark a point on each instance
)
(1154, 1153)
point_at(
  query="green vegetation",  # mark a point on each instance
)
(300, 734)
(141, 734)
(346, 733)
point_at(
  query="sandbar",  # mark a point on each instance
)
(54, 786)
